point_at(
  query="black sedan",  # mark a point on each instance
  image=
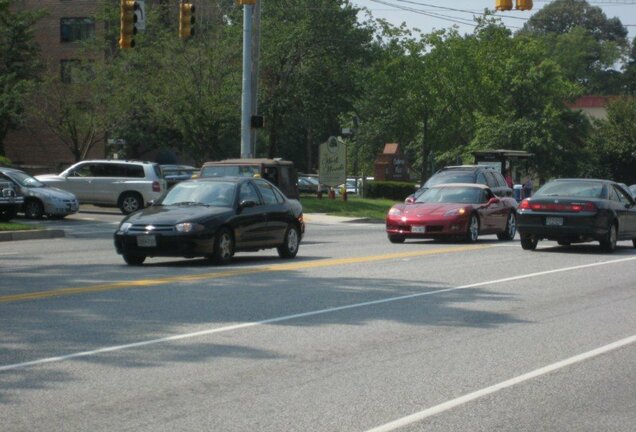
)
(576, 211)
(213, 217)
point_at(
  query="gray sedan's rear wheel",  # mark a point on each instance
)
(134, 260)
(608, 244)
(289, 248)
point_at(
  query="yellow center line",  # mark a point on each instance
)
(231, 273)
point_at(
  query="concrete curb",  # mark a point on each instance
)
(30, 234)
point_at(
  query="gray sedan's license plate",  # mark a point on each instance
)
(146, 241)
(554, 221)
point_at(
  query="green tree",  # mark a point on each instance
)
(19, 64)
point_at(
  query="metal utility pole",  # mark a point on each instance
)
(256, 50)
(246, 99)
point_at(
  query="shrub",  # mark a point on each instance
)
(389, 189)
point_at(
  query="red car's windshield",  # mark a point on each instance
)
(459, 195)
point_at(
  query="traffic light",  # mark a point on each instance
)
(524, 4)
(128, 23)
(186, 20)
(503, 5)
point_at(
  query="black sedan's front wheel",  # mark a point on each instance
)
(289, 248)
(223, 247)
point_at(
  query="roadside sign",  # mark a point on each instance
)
(333, 162)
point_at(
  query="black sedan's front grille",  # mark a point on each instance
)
(158, 228)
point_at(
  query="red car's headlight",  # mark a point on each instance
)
(456, 212)
(395, 212)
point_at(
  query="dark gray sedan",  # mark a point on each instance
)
(576, 211)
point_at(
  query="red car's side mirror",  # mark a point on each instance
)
(409, 199)
(494, 200)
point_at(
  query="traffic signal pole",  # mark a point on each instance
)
(246, 99)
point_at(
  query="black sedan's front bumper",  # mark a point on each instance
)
(575, 228)
(165, 245)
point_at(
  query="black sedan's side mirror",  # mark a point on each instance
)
(247, 204)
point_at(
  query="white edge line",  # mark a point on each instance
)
(422, 415)
(294, 316)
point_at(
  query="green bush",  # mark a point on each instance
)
(4, 161)
(389, 189)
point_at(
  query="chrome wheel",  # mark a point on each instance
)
(473, 229)
(511, 228)
(130, 203)
(223, 247)
(289, 248)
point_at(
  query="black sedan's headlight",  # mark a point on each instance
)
(188, 227)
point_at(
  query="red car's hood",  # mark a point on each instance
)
(432, 209)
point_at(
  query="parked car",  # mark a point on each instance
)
(10, 200)
(213, 217)
(279, 172)
(39, 199)
(576, 211)
(129, 185)
(478, 174)
(310, 184)
(176, 173)
(632, 189)
(453, 210)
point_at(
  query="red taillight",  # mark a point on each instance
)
(559, 207)
(156, 186)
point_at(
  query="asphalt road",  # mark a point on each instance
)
(355, 334)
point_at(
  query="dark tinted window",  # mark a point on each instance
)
(248, 193)
(267, 191)
(500, 179)
(491, 181)
(621, 195)
(573, 189)
(136, 171)
(481, 178)
(233, 171)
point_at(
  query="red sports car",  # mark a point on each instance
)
(453, 210)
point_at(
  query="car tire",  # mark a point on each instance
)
(223, 247)
(529, 242)
(33, 209)
(289, 248)
(608, 244)
(130, 202)
(134, 260)
(472, 231)
(7, 215)
(511, 228)
(396, 239)
(634, 242)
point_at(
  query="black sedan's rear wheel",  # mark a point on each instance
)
(289, 248)
(608, 244)
(396, 238)
(511, 228)
(529, 242)
(134, 260)
(223, 247)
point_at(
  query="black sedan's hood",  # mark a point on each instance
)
(176, 214)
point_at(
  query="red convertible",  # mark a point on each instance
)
(453, 210)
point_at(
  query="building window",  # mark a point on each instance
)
(74, 71)
(76, 29)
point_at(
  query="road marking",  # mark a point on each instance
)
(424, 414)
(230, 273)
(294, 316)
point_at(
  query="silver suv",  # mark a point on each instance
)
(129, 185)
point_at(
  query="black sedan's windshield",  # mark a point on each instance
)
(219, 194)
(458, 195)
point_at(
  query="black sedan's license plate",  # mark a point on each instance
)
(146, 241)
(553, 221)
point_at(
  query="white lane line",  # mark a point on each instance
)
(295, 316)
(422, 415)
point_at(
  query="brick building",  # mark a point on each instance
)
(67, 22)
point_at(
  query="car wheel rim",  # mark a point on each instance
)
(613, 237)
(474, 228)
(225, 246)
(292, 240)
(512, 225)
(130, 204)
